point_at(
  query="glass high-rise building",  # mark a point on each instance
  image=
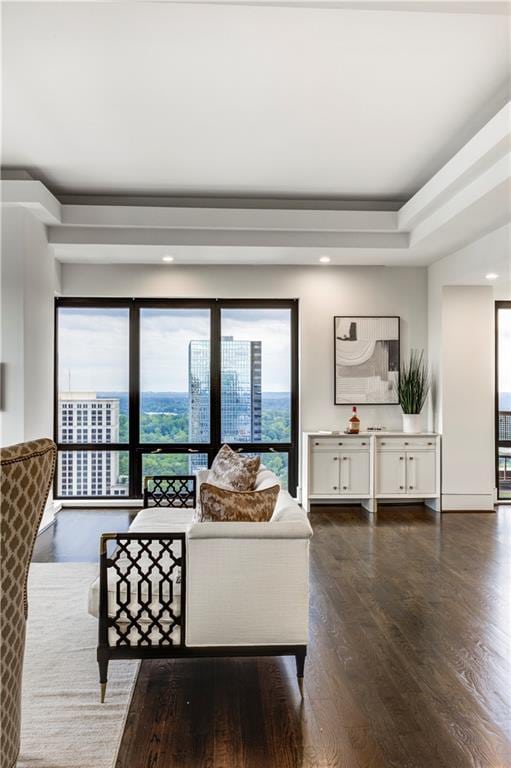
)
(241, 366)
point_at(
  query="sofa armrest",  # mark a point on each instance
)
(140, 596)
(247, 591)
(293, 529)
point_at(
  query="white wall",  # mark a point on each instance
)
(461, 342)
(323, 292)
(29, 280)
(42, 282)
(12, 415)
(467, 395)
(468, 266)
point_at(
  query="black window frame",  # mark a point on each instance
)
(135, 448)
(498, 442)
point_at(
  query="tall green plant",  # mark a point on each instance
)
(414, 384)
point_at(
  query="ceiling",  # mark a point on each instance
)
(251, 100)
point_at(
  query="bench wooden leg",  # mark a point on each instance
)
(300, 664)
(103, 676)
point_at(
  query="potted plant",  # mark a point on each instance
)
(413, 390)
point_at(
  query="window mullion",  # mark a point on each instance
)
(135, 464)
(215, 379)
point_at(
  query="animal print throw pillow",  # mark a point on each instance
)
(222, 505)
(234, 471)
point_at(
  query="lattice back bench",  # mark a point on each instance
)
(258, 573)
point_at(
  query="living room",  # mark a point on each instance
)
(258, 253)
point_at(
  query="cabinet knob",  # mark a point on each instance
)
(411, 458)
(401, 487)
(430, 443)
(334, 487)
(339, 443)
(316, 443)
(345, 487)
(335, 458)
(364, 443)
(406, 443)
(345, 458)
(383, 443)
(401, 458)
(411, 487)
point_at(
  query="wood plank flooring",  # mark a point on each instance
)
(74, 534)
(409, 662)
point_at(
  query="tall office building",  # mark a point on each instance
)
(241, 366)
(505, 425)
(86, 418)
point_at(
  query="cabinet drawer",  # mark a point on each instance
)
(410, 443)
(339, 443)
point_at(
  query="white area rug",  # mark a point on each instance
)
(63, 723)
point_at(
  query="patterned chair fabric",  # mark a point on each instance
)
(26, 474)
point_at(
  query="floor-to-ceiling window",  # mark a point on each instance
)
(503, 399)
(162, 384)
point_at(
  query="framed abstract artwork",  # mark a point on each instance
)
(366, 365)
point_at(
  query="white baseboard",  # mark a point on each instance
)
(473, 502)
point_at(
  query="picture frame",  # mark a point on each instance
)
(367, 359)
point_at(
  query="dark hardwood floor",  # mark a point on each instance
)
(409, 660)
(74, 534)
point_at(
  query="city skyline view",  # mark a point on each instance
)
(166, 420)
(174, 353)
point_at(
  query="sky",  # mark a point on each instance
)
(93, 347)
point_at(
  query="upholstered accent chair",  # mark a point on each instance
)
(26, 474)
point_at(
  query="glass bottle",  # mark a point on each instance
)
(354, 422)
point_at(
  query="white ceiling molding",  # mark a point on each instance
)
(229, 219)
(495, 178)
(468, 197)
(229, 238)
(492, 142)
(19, 189)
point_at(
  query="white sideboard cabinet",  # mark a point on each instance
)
(370, 467)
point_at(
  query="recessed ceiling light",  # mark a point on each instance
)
(325, 259)
(167, 258)
(491, 276)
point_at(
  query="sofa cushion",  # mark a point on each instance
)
(162, 519)
(265, 479)
(233, 471)
(220, 504)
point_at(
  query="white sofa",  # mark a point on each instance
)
(245, 586)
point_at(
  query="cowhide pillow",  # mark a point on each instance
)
(222, 505)
(233, 471)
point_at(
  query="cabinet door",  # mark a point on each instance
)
(355, 473)
(421, 472)
(325, 473)
(390, 473)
